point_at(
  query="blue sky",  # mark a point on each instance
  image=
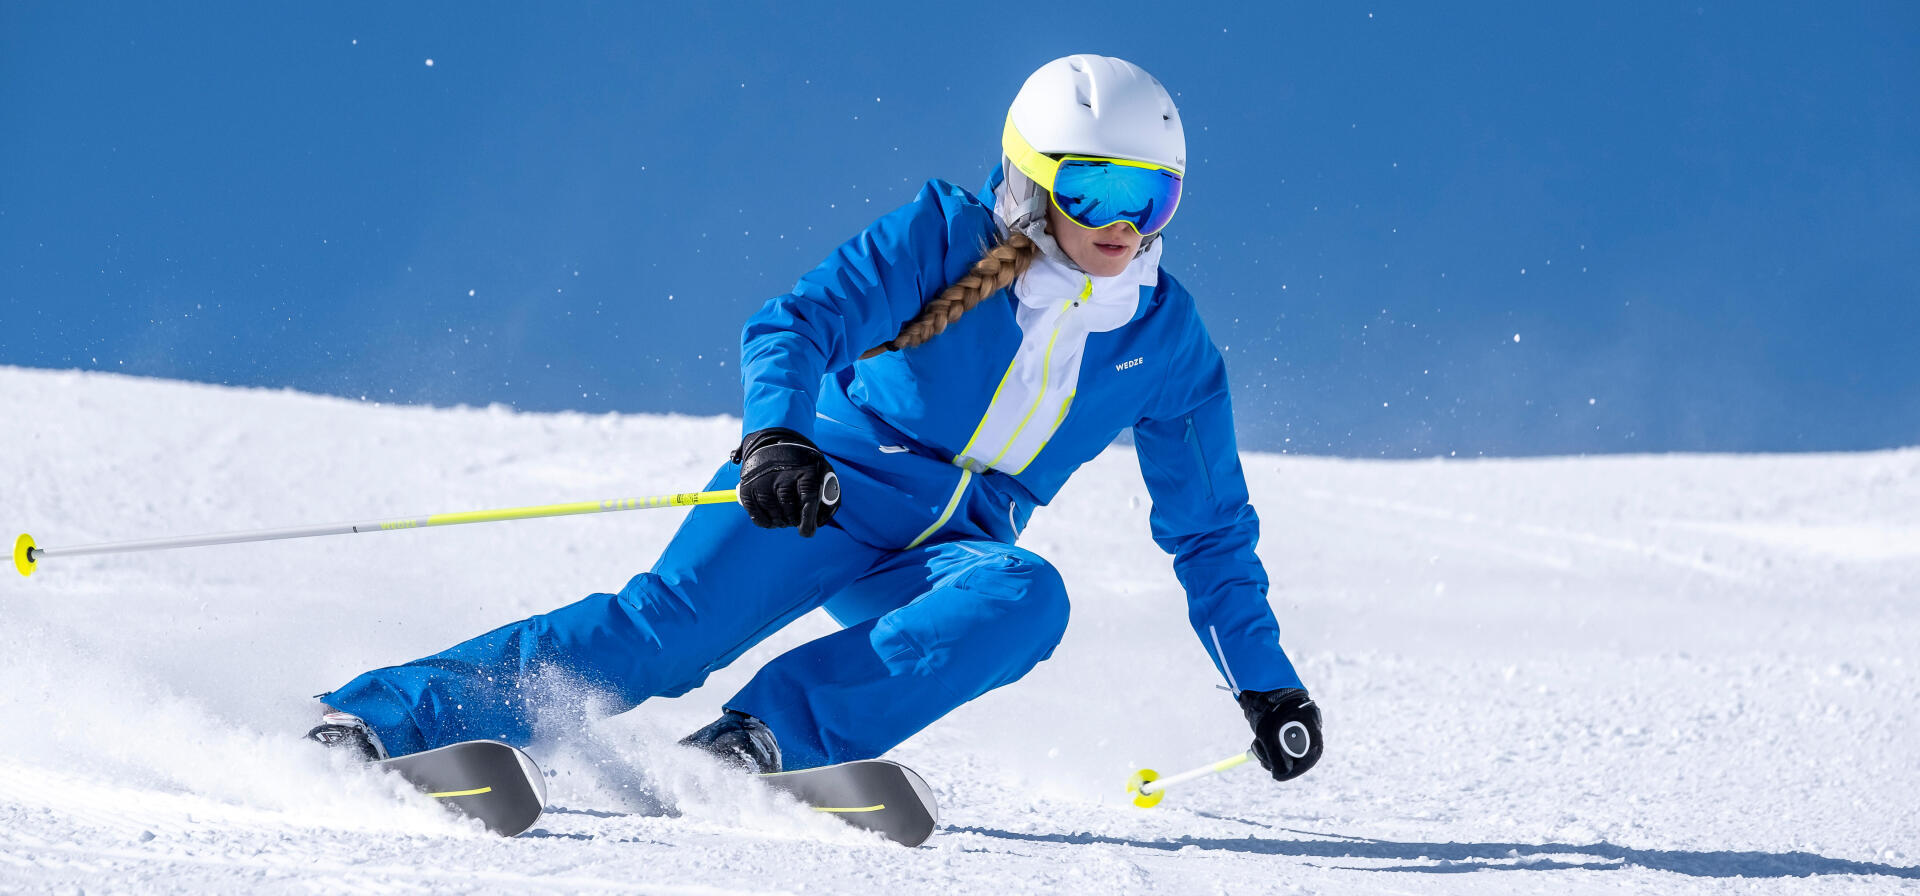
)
(1701, 222)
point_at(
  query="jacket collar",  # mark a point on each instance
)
(1111, 301)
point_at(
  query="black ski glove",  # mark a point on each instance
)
(1286, 730)
(786, 481)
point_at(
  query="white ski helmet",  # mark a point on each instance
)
(1096, 106)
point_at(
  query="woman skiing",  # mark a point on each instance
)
(908, 405)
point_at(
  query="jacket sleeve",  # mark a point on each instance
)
(858, 298)
(1201, 516)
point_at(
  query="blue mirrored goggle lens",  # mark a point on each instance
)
(1098, 194)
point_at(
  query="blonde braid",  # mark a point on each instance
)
(999, 267)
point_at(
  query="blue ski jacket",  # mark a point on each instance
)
(987, 420)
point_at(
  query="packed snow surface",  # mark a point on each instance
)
(1627, 674)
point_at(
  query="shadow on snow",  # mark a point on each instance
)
(1464, 857)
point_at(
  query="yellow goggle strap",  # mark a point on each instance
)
(1037, 166)
(1040, 167)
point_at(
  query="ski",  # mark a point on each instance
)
(486, 780)
(504, 790)
(873, 794)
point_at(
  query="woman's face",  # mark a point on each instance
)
(1103, 253)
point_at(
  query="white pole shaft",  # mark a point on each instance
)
(195, 541)
(1158, 784)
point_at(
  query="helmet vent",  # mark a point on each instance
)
(1097, 106)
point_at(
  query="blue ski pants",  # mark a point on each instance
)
(927, 628)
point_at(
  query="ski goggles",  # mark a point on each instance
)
(1096, 192)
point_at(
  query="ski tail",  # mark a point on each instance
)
(872, 794)
(486, 780)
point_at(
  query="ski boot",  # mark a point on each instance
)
(345, 731)
(739, 740)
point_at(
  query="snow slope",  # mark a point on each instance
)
(1643, 674)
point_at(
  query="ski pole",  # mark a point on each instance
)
(1148, 788)
(27, 555)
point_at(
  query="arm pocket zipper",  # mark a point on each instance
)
(1199, 456)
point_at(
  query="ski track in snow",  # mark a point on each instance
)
(1684, 674)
